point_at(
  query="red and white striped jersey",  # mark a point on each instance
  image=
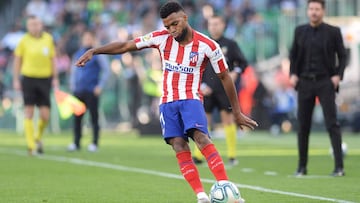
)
(183, 66)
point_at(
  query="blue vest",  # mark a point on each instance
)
(87, 77)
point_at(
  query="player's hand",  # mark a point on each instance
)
(55, 83)
(336, 81)
(205, 90)
(294, 80)
(85, 58)
(234, 75)
(97, 91)
(16, 85)
(243, 120)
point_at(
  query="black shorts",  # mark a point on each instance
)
(36, 91)
(217, 99)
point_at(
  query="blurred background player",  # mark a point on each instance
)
(182, 116)
(87, 84)
(34, 72)
(214, 93)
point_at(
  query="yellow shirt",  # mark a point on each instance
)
(36, 55)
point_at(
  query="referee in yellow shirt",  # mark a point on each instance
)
(34, 73)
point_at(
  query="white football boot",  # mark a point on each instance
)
(202, 198)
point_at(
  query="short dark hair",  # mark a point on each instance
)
(169, 8)
(322, 2)
(31, 17)
(219, 17)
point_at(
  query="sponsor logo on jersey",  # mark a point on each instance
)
(178, 68)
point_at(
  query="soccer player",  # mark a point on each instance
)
(87, 84)
(214, 93)
(34, 61)
(184, 54)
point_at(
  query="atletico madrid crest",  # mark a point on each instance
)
(194, 56)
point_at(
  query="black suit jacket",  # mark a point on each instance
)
(333, 50)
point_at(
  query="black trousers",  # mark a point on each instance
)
(307, 91)
(92, 103)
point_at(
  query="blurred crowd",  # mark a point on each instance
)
(132, 90)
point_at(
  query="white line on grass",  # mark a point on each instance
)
(310, 177)
(161, 174)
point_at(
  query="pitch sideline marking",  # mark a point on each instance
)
(161, 174)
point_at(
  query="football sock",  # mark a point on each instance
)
(215, 162)
(29, 133)
(41, 126)
(230, 136)
(189, 171)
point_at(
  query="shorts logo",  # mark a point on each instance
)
(199, 125)
(194, 56)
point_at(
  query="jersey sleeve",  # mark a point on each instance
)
(217, 59)
(150, 40)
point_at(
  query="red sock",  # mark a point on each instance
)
(189, 171)
(215, 162)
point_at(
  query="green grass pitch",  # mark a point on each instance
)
(143, 169)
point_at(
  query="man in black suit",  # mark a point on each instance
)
(318, 60)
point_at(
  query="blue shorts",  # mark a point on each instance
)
(179, 117)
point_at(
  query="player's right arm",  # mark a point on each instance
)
(18, 60)
(294, 78)
(16, 72)
(111, 48)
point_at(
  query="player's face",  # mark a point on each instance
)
(176, 24)
(34, 26)
(87, 40)
(216, 27)
(315, 12)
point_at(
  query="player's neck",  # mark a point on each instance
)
(36, 34)
(216, 37)
(189, 37)
(315, 23)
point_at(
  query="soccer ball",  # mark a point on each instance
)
(225, 192)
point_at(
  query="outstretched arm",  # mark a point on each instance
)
(229, 87)
(111, 48)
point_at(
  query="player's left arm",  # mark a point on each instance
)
(341, 56)
(341, 53)
(55, 78)
(220, 67)
(230, 90)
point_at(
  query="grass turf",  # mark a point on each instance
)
(133, 169)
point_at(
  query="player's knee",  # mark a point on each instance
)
(201, 139)
(179, 144)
